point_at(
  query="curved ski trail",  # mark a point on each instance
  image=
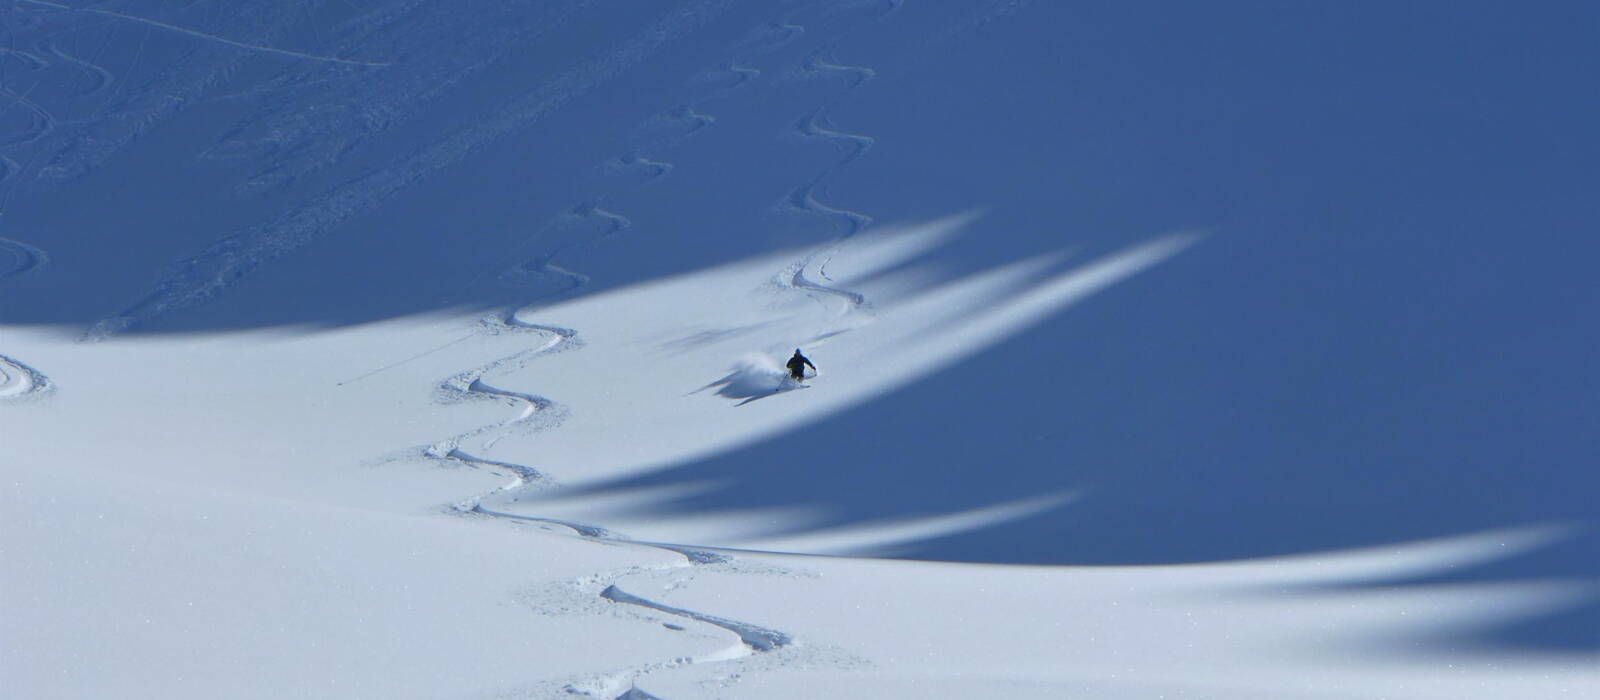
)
(805, 198)
(26, 259)
(18, 380)
(752, 638)
(201, 277)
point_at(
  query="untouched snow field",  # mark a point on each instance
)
(410, 348)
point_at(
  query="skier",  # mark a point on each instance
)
(797, 365)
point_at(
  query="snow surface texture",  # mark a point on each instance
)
(408, 348)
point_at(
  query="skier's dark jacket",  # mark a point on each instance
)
(798, 361)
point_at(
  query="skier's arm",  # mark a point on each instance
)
(808, 363)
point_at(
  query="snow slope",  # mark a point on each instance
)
(399, 348)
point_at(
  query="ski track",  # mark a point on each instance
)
(681, 123)
(213, 271)
(17, 380)
(533, 410)
(24, 57)
(754, 637)
(102, 77)
(536, 271)
(815, 63)
(42, 124)
(805, 198)
(687, 120)
(998, 11)
(770, 37)
(298, 141)
(120, 119)
(203, 35)
(26, 259)
(536, 411)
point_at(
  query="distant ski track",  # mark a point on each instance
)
(681, 123)
(24, 259)
(128, 112)
(202, 277)
(745, 73)
(770, 37)
(685, 121)
(102, 77)
(42, 124)
(24, 56)
(536, 270)
(203, 35)
(658, 168)
(457, 44)
(815, 63)
(805, 198)
(996, 11)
